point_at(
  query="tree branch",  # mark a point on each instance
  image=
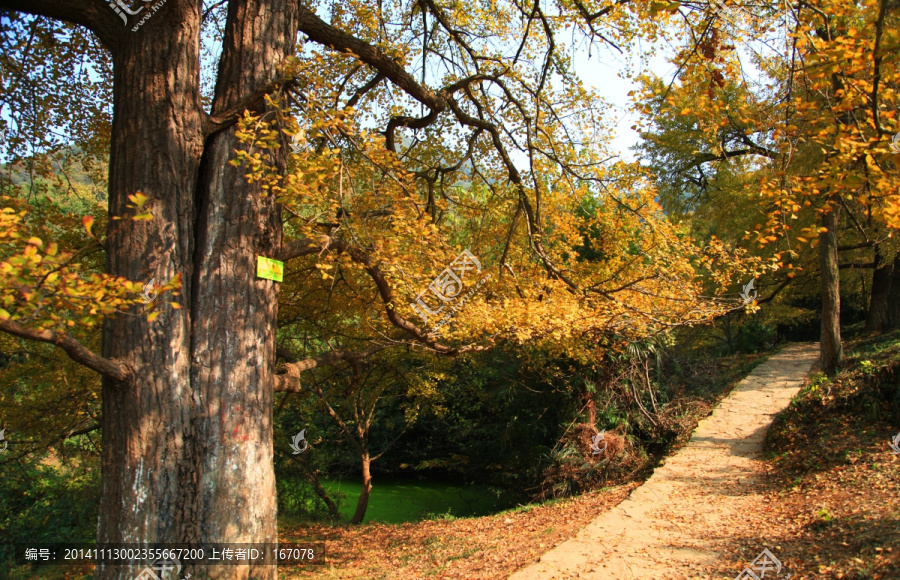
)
(228, 117)
(295, 367)
(310, 475)
(84, 431)
(113, 369)
(707, 157)
(323, 33)
(93, 15)
(361, 91)
(305, 247)
(602, 12)
(209, 10)
(775, 292)
(289, 382)
(391, 444)
(855, 246)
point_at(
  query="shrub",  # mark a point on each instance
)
(42, 503)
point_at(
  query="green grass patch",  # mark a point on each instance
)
(395, 501)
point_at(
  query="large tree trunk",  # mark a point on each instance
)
(187, 448)
(146, 423)
(830, 345)
(363, 504)
(877, 316)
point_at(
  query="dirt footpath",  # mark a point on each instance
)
(671, 525)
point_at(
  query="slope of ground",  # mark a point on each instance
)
(673, 523)
(823, 503)
(830, 509)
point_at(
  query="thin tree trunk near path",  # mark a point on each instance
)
(830, 347)
(311, 476)
(728, 330)
(323, 495)
(877, 315)
(363, 504)
(893, 308)
(589, 404)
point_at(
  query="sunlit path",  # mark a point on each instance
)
(670, 525)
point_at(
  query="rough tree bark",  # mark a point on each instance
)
(831, 349)
(187, 433)
(146, 420)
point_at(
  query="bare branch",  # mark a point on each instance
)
(86, 430)
(867, 244)
(702, 158)
(304, 247)
(784, 284)
(209, 10)
(323, 33)
(391, 444)
(361, 91)
(857, 265)
(602, 12)
(113, 369)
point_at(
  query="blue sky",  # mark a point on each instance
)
(603, 71)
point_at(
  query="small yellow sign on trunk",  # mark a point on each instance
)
(269, 269)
